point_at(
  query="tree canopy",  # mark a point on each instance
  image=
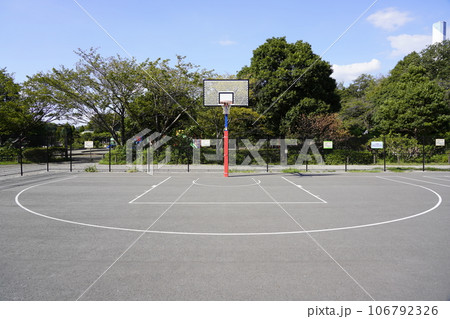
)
(411, 104)
(121, 95)
(413, 100)
(21, 117)
(289, 75)
(291, 94)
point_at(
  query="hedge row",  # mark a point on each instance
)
(39, 154)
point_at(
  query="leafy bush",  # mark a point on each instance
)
(400, 148)
(440, 158)
(337, 157)
(91, 169)
(56, 152)
(39, 154)
(118, 156)
(8, 154)
(35, 154)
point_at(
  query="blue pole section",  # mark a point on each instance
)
(225, 148)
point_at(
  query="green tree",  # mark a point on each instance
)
(9, 102)
(436, 60)
(357, 108)
(240, 123)
(320, 127)
(20, 117)
(411, 103)
(96, 88)
(171, 97)
(122, 96)
(282, 74)
(9, 90)
(358, 88)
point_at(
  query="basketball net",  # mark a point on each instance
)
(226, 106)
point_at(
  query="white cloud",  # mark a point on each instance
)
(404, 44)
(349, 72)
(225, 43)
(389, 19)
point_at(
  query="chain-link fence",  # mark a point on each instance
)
(270, 154)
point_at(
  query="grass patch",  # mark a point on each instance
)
(241, 171)
(91, 169)
(364, 170)
(400, 169)
(436, 169)
(292, 171)
(9, 163)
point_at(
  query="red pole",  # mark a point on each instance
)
(225, 153)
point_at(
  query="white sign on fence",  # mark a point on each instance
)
(206, 143)
(88, 144)
(440, 142)
(327, 145)
(376, 145)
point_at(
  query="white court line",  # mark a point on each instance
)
(303, 189)
(439, 179)
(152, 188)
(221, 203)
(420, 180)
(206, 185)
(282, 233)
(318, 244)
(134, 242)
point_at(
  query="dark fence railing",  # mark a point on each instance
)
(267, 153)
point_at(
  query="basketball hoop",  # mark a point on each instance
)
(225, 93)
(226, 106)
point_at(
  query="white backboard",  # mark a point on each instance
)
(215, 92)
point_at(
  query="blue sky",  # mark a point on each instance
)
(221, 35)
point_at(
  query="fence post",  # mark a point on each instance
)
(48, 157)
(70, 157)
(423, 154)
(267, 154)
(384, 153)
(188, 155)
(109, 154)
(21, 158)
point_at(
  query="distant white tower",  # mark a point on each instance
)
(439, 30)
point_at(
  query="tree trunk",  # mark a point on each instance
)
(123, 138)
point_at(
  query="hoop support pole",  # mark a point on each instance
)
(225, 153)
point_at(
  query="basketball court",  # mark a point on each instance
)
(200, 236)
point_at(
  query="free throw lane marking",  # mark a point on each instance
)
(222, 203)
(257, 182)
(303, 189)
(151, 188)
(233, 234)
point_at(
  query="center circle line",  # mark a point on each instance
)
(438, 203)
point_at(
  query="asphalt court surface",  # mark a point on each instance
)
(205, 237)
